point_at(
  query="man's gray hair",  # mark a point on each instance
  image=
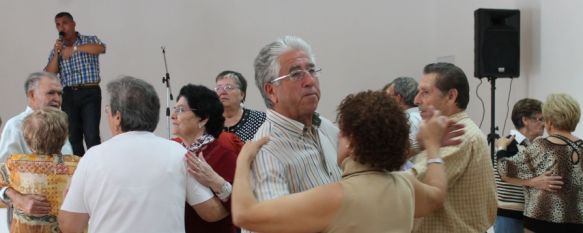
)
(407, 88)
(136, 101)
(31, 82)
(267, 61)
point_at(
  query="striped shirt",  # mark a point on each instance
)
(511, 197)
(296, 158)
(80, 68)
(470, 205)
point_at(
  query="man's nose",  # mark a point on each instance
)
(308, 79)
(417, 100)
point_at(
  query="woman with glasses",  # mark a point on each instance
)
(232, 90)
(197, 122)
(373, 196)
(550, 209)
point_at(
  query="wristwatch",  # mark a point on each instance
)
(75, 49)
(225, 191)
(3, 195)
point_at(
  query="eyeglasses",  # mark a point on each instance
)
(181, 109)
(541, 119)
(227, 88)
(299, 74)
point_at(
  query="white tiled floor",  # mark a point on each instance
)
(4, 227)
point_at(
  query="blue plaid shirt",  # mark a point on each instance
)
(81, 68)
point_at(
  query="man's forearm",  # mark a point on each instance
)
(94, 49)
(53, 66)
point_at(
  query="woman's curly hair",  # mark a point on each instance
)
(377, 129)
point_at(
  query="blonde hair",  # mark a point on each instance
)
(562, 111)
(45, 130)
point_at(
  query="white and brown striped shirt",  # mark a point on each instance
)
(511, 197)
(296, 158)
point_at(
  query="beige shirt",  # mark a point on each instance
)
(470, 205)
(374, 201)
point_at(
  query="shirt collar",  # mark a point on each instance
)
(28, 109)
(518, 136)
(291, 124)
(458, 116)
(410, 110)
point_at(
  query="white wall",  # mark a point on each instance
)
(360, 45)
(560, 58)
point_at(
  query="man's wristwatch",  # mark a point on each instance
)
(75, 49)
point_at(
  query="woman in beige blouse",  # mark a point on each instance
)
(372, 195)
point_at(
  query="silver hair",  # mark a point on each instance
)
(136, 101)
(31, 82)
(267, 61)
(407, 88)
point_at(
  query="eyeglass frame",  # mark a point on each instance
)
(539, 119)
(226, 87)
(313, 73)
(181, 109)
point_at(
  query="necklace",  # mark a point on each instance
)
(231, 122)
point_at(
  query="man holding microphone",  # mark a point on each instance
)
(75, 58)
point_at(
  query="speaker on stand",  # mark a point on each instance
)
(496, 52)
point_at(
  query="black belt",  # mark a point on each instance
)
(84, 86)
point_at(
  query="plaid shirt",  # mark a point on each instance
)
(470, 205)
(81, 68)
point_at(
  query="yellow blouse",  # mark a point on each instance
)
(46, 175)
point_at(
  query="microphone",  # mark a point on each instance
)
(61, 35)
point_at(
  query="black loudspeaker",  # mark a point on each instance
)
(496, 43)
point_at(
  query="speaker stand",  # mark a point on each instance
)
(492, 136)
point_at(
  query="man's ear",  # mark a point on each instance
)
(452, 95)
(30, 94)
(270, 92)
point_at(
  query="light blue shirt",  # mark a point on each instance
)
(12, 140)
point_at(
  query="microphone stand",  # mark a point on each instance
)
(166, 80)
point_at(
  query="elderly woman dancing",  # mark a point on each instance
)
(35, 183)
(373, 145)
(559, 154)
(198, 123)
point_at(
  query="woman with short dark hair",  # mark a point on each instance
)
(198, 121)
(231, 87)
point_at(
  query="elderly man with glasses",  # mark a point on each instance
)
(301, 153)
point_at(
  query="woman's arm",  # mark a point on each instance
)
(430, 193)
(199, 168)
(309, 211)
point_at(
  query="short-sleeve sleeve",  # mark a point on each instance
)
(75, 198)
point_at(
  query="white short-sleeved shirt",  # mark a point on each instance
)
(12, 140)
(134, 182)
